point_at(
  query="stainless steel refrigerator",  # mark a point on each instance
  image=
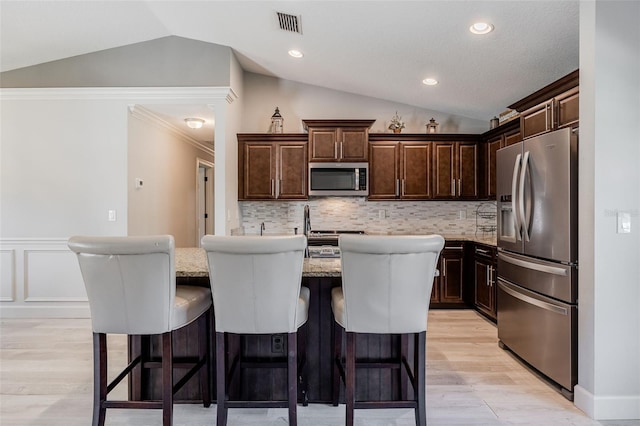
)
(537, 253)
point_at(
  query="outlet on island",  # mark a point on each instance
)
(382, 214)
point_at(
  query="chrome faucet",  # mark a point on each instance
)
(306, 228)
(261, 228)
(307, 221)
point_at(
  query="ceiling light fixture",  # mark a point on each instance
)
(295, 53)
(194, 123)
(481, 28)
(430, 81)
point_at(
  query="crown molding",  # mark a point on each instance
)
(146, 115)
(131, 94)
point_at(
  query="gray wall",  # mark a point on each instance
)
(165, 62)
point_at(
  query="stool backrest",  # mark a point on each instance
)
(255, 282)
(387, 281)
(130, 282)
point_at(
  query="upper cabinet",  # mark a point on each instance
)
(504, 135)
(272, 167)
(399, 170)
(455, 166)
(553, 107)
(338, 140)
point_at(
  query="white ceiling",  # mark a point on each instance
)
(382, 49)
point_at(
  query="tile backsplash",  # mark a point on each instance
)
(356, 213)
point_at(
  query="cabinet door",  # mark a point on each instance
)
(435, 291)
(383, 171)
(492, 147)
(511, 138)
(567, 105)
(292, 171)
(451, 275)
(467, 162)
(443, 169)
(483, 297)
(259, 171)
(537, 120)
(323, 144)
(353, 144)
(415, 171)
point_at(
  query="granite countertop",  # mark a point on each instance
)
(192, 261)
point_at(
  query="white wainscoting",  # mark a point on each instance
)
(40, 278)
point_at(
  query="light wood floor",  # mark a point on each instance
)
(46, 380)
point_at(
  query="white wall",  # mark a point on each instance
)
(64, 155)
(166, 161)
(609, 286)
(299, 101)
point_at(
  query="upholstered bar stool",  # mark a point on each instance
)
(386, 289)
(131, 286)
(256, 289)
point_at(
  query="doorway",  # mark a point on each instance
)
(204, 199)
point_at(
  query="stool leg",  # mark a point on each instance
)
(99, 378)
(337, 358)
(419, 371)
(205, 370)
(221, 387)
(167, 379)
(292, 376)
(350, 374)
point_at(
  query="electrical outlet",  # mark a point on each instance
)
(382, 214)
(277, 343)
(112, 216)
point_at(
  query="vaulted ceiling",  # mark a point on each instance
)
(382, 49)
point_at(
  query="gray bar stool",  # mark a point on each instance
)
(386, 289)
(131, 286)
(256, 289)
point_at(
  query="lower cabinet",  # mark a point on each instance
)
(485, 277)
(448, 288)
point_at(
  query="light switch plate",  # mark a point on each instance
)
(624, 222)
(112, 216)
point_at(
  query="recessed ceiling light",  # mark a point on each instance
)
(194, 123)
(295, 53)
(430, 81)
(481, 28)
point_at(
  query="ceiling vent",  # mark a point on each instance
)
(289, 22)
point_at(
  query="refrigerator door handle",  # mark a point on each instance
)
(524, 219)
(534, 266)
(530, 300)
(514, 196)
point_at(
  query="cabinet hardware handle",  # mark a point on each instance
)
(335, 149)
(482, 251)
(453, 187)
(444, 268)
(459, 188)
(488, 276)
(341, 151)
(453, 248)
(397, 187)
(279, 187)
(273, 181)
(403, 187)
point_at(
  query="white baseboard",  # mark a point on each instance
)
(618, 407)
(50, 311)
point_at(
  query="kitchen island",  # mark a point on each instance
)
(320, 275)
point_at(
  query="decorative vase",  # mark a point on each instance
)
(397, 130)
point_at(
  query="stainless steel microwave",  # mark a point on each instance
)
(339, 179)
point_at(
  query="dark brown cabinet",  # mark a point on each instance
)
(505, 135)
(485, 280)
(272, 167)
(550, 108)
(338, 140)
(448, 287)
(455, 166)
(399, 170)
